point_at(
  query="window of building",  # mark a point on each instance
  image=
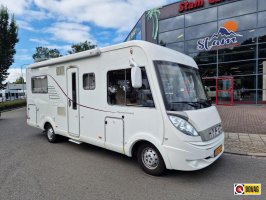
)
(262, 19)
(121, 92)
(262, 81)
(201, 17)
(171, 23)
(244, 22)
(237, 68)
(262, 66)
(261, 96)
(89, 81)
(176, 46)
(200, 31)
(261, 33)
(205, 57)
(237, 53)
(208, 70)
(237, 8)
(171, 36)
(262, 5)
(245, 82)
(262, 50)
(39, 84)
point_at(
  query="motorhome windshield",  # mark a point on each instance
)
(181, 86)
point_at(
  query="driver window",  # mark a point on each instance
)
(121, 92)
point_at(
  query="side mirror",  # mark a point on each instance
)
(136, 77)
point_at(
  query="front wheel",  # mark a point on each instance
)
(150, 159)
(51, 136)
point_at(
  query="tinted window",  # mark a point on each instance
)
(246, 82)
(262, 66)
(39, 84)
(205, 57)
(262, 50)
(237, 68)
(89, 81)
(171, 24)
(237, 53)
(261, 33)
(201, 17)
(171, 36)
(262, 19)
(244, 22)
(176, 46)
(121, 92)
(237, 8)
(208, 70)
(262, 5)
(262, 82)
(201, 30)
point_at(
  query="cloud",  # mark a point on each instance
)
(117, 14)
(23, 57)
(16, 7)
(15, 73)
(25, 25)
(70, 32)
(39, 41)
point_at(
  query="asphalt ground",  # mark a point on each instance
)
(32, 168)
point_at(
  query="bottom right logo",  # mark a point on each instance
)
(247, 189)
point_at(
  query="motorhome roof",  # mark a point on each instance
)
(154, 51)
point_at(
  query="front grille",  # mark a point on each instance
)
(211, 133)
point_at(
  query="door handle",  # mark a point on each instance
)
(69, 102)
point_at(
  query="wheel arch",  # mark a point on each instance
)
(134, 143)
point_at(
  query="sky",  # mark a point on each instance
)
(61, 23)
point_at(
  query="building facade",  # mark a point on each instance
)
(227, 39)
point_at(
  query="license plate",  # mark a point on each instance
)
(218, 150)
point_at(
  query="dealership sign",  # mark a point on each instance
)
(225, 37)
(191, 5)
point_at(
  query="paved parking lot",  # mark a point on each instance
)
(32, 168)
(244, 118)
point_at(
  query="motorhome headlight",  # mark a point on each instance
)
(183, 126)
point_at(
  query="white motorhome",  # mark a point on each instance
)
(135, 98)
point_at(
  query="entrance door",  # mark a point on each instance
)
(73, 100)
(225, 91)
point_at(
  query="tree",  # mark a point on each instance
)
(8, 40)
(19, 80)
(44, 53)
(83, 46)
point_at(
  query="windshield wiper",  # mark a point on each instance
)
(190, 103)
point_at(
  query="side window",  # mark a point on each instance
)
(89, 81)
(115, 89)
(39, 84)
(121, 92)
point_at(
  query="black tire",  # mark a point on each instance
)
(150, 159)
(50, 135)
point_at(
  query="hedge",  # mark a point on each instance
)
(12, 104)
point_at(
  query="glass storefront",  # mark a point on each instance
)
(226, 39)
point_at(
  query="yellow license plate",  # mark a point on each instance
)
(218, 150)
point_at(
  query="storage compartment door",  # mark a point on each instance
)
(114, 134)
(32, 114)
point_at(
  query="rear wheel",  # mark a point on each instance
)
(51, 136)
(150, 159)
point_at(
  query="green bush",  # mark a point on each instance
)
(12, 104)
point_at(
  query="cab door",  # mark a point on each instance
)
(73, 102)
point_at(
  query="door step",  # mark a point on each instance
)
(74, 141)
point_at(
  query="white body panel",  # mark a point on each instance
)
(116, 127)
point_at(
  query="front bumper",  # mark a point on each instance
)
(194, 155)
